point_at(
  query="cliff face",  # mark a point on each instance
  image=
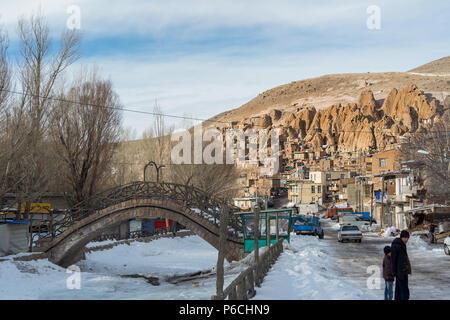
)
(362, 125)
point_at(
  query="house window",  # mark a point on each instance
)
(319, 189)
(342, 176)
(328, 176)
(383, 163)
(313, 189)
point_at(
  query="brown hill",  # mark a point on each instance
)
(324, 91)
(440, 66)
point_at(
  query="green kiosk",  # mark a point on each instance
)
(267, 221)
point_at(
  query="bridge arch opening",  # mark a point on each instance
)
(68, 248)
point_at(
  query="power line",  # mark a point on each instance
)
(109, 107)
(169, 115)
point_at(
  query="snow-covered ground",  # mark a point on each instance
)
(310, 268)
(306, 270)
(101, 273)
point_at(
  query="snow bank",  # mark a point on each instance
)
(390, 232)
(417, 243)
(100, 276)
(306, 270)
(100, 243)
(335, 225)
(159, 257)
(26, 280)
(373, 228)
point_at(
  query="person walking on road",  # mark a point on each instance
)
(400, 266)
(387, 275)
(432, 230)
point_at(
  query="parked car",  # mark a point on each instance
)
(307, 224)
(447, 245)
(368, 219)
(349, 232)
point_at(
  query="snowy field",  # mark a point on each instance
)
(310, 268)
(306, 270)
(102, 270)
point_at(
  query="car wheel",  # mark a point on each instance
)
(446, 250)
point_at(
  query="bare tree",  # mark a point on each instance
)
(217, 180)
(5, 81)
(156, 142)
(40, 67)
(86, 127)
(12, 125)
(432, 147)
(5, 71)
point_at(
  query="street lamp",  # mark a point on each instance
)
(156, 167)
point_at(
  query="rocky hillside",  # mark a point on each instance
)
(362, 125)
(322, 92)
(348, 112)
(366, 124)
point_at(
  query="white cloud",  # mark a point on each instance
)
(204, 85)
(119, 17)
(331, 38)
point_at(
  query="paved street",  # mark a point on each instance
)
(430, 277)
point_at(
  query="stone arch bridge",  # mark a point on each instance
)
(187, 205)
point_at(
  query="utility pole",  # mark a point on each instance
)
(222, 248)
(277, 230)
(363, 193)
(257, 181)
(371, 203)
(256, 234)
(382, 202)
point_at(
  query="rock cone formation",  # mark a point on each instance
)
(364, 125)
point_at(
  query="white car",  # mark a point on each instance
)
(447, 245)
(350, 233)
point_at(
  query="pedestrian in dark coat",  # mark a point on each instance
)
(387, 275)
(400, 266)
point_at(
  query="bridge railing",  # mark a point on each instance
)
(187, 196)
(243, 287)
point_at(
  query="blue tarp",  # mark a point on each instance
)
(364, 214)
(15, 221)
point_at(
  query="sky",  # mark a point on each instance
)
(199, 58)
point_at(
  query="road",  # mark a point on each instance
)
(283, 200)
(430, 278)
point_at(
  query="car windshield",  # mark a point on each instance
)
(306, 219)
(350, 228)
